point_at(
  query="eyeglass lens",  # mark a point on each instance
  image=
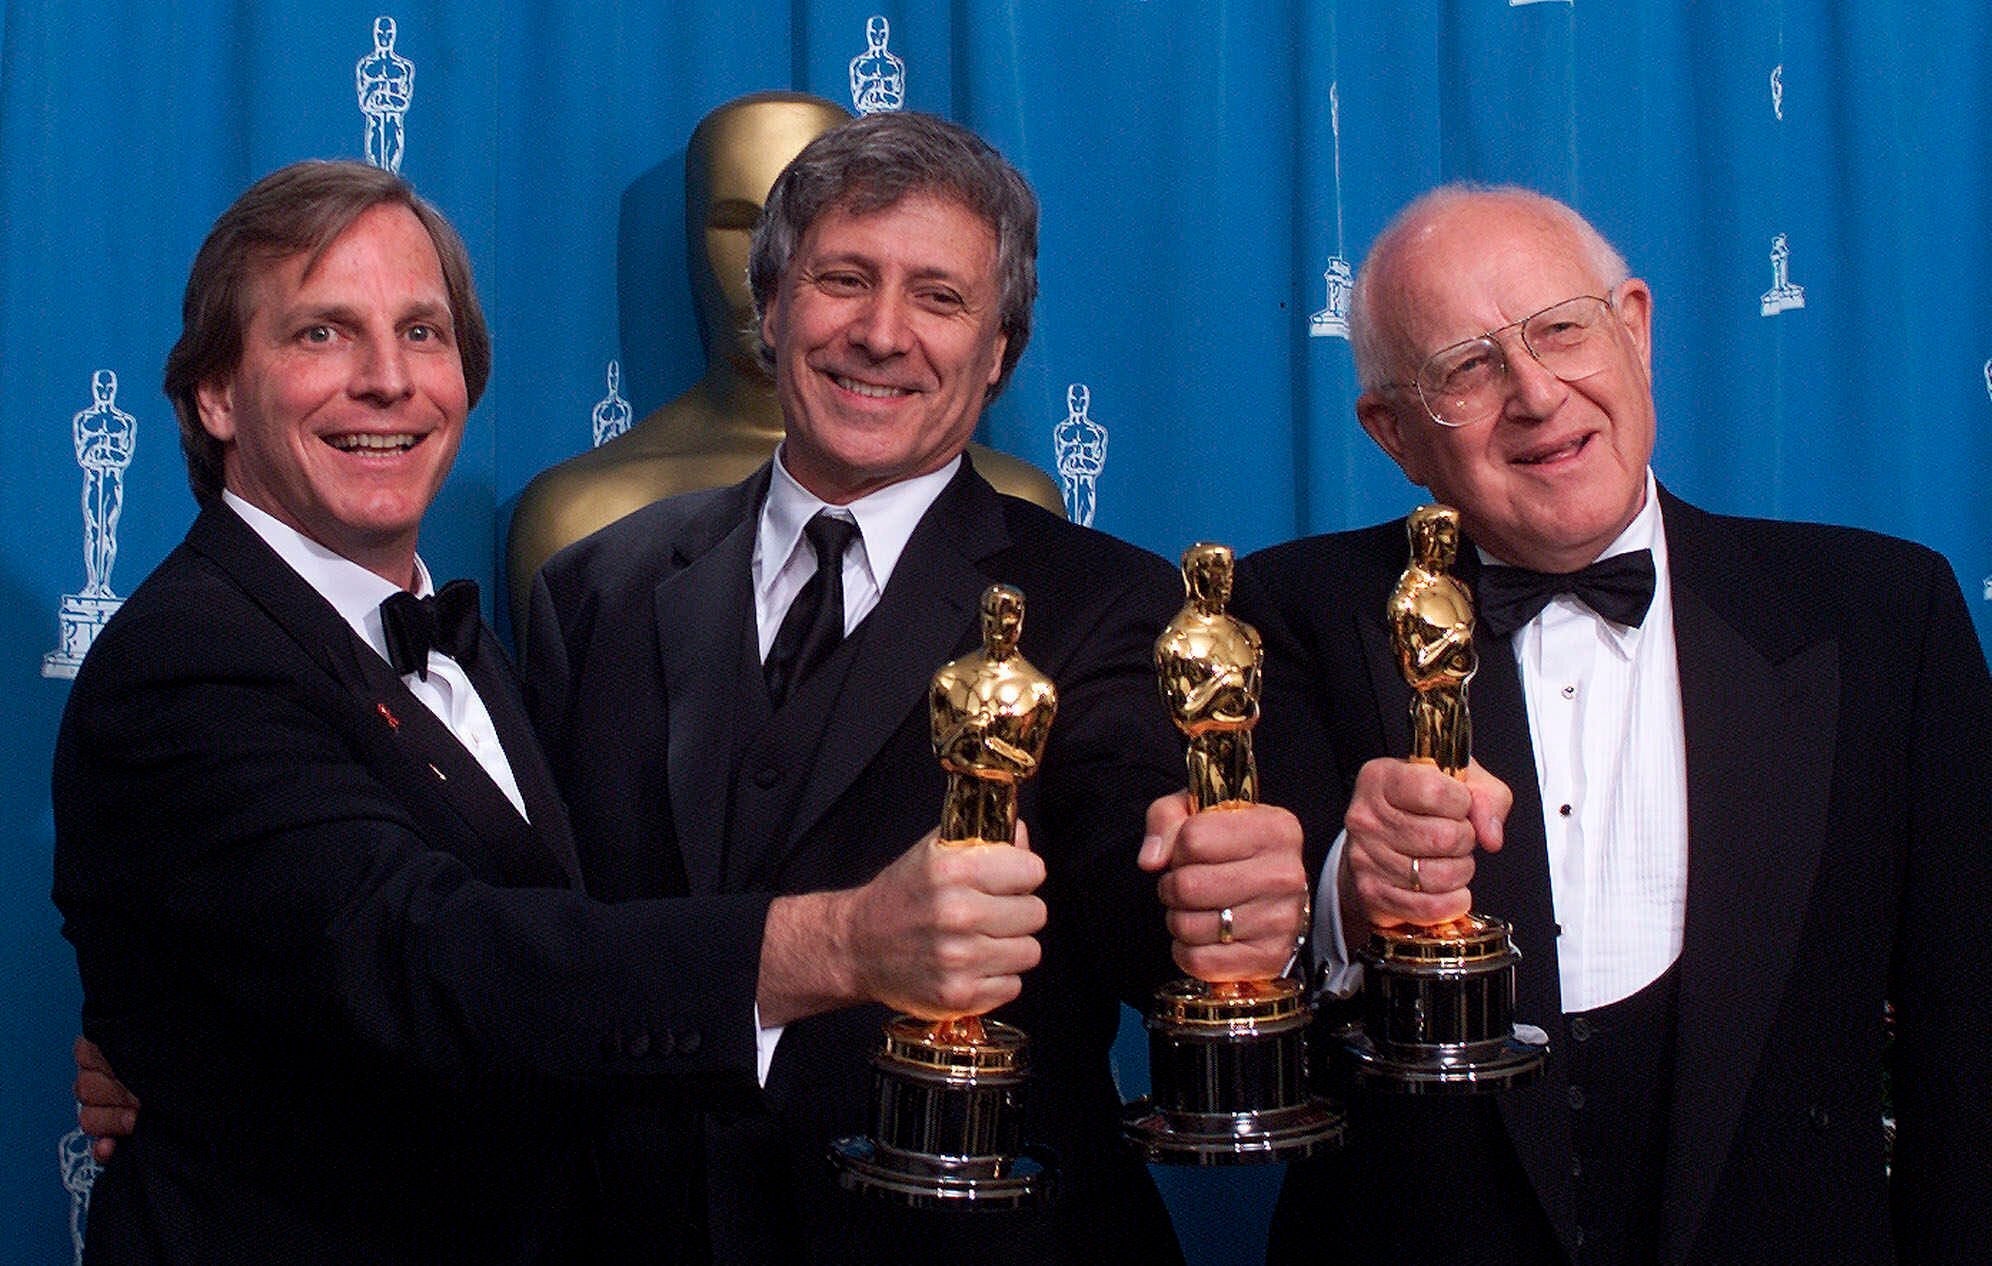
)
(1464, 383)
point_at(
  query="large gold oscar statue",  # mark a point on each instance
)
(726, 425)
(1227, 1060)
(1439, 1002)
(946, 1113)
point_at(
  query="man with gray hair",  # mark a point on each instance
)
(707, 751)
(1730, 786)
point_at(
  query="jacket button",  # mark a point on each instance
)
(689, 1041)
(1820, 1118)
(766, 777)
(1580, 1029)
(1577, 1097)
(639, 1046)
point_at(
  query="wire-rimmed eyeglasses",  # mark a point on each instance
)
(1468, 381)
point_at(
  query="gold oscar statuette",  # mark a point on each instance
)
(946, 1110)
(1439, 1002)
(1227, 1060)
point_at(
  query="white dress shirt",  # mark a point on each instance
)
(784, 562)
(1604, 711)
(356, 594)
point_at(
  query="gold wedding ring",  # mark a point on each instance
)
(1417, 880)
(1224, 933)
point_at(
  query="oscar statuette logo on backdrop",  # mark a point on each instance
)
(1332, 321)
(79, 1174)
(878, 79)
(105, 436)
(611, 415)
(386, 83)
(1081, 447)
(1783, 296)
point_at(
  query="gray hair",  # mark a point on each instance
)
(1374, 340)
(870, 164)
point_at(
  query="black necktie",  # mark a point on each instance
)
(1619, 588)
(815, 620)
(444, 621)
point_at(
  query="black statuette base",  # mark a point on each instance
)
(947, 1125)
(1439, 1014)
(1229, 1075)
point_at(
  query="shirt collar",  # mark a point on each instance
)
(886, 518)
(1644, 530)
(354, 592)
(1643, 533)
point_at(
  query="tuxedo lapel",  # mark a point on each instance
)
(484, 813)
(704, 621)
(436, 759)
(498, 687)
(1759, 709)
(1392, 692)
(929, 610)
(1514, 885)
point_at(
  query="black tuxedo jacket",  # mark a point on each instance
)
(1837, 712)
(643, 671)
(353, 988)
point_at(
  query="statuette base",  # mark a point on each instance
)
(946, 1121)
(1229, 1069)
(1438, 1013)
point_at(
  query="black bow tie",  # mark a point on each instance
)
(444, 621)
(1619, 588)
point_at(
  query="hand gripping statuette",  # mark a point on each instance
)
(946, 1110)
(1439, 1002)
(1227, 1060)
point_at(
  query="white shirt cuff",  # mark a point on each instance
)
(764, 1046)
(1337, 975)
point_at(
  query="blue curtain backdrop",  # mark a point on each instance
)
(1805, 185)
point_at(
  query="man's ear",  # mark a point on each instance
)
(769, 313)
(1634, 306)
(1383, 422)
(217, 406)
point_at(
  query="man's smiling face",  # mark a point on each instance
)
(1552, 478)
(887, 339)
(345, 411)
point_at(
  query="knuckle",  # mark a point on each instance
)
(954, 957)
(952, 912)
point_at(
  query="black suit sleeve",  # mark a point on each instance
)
(237, 830)
(1112, 752)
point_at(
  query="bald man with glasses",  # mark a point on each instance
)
(1731, 786)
